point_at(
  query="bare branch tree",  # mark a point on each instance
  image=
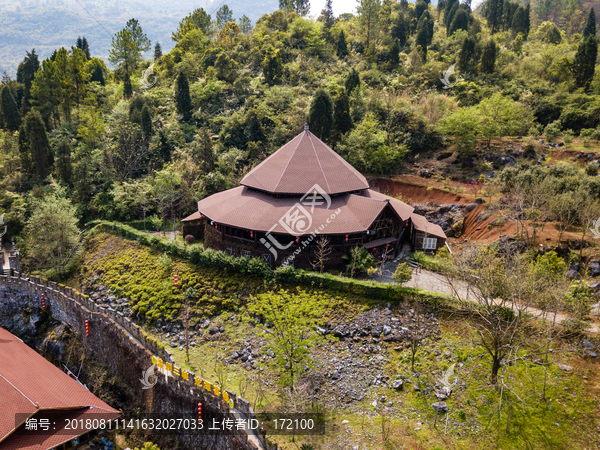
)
(322, 254)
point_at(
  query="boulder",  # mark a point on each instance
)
(398, 385)
(440, 407)
(594, 268)
(565, 367)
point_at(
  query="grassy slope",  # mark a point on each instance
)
(567, 419)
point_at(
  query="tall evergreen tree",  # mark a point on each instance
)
(10, 110)
(35, 147)
(157, 51)
(400, 29)
(459, 22)
(422, 38)
(528, 19)
(519, 22)
(128, 46)
(488, 58)
(352, 82)
(450, 9)
(420, 8)
(493, 12)
(98, 75)
(204, 154)
(127, 88)
(182, 96)
(590, 25)
(64, 165)
(404, 5)
(327, 18)
(224, 15)
(368, 17)
(86, 48)
(146, 119)
(25, 75)
(320, 116)
(341, 47)
(342, 121)
(394, 58)
(584, 65)
(467, 58)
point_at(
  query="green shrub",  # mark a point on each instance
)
(403, 274)
(568, 136)
(552, 130)
(591, 169)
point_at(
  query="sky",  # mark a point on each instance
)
(349, 6)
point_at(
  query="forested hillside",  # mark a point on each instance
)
(150, 138)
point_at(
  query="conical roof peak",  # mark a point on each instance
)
(300, 164)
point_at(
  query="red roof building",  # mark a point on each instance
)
(33, 390)
(301, 193)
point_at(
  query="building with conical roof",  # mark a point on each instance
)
(300, 194)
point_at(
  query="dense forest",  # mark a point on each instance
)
(143, 142)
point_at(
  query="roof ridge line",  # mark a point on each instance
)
(286, 166)
(21, 392)
(309, 134)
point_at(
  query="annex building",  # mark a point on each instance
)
(40, 402)
(301, 193)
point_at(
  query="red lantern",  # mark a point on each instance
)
(251, 234)
(175, 280)
(346, 238)
(387, 245)
(87, 328)
(216, 226)
(297, 239)
(43, 301)
(199, 412)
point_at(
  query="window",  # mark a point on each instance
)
(430, 243)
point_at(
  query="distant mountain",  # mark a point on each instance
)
(50, 24)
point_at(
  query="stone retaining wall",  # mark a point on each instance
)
(126, 350)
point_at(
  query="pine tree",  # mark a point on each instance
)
(10, 110)
(320, 116)
(224, 15)
(25, 75)
(450, 9)
(127, 88)
(146, 119)
(352, 82)
(488, 58)
(467, 59)
(182, 96)
(519, 22)
(368, 17)
(86, 48)
(342, 121)
(204, 154)
(128, 46)
(492, 11)
(420, 8)
(64, 165)
(422, 38)
(327, 18)
(342, 46)
(157, 51)
(97, 75)
(400, 29)
(584, 65)
(460, 22)
(590, 25)
(34, 147)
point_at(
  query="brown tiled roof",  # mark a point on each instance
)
(194, 216)
(378, 242)
(402, 209)
(422, 224)
(29, 383)
(302, 163)
(244, 208)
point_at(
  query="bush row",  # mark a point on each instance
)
(258, 268)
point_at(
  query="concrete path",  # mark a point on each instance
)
(434, 282)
